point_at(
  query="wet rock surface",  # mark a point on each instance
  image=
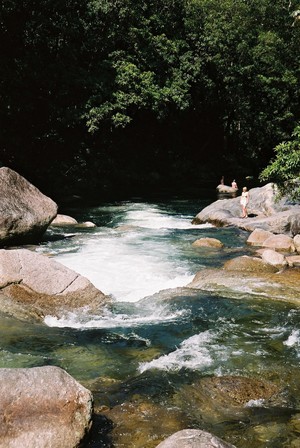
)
(33, 285)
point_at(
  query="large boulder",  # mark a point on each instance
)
(42, 407)
(265, 212)
(35, 285)
(25, 212)
(193, 438)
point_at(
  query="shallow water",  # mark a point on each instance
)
(140, 357)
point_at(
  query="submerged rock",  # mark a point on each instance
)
(213, 400)
(42, 407)
(35, 285)
(248, 264)
(25, 212)
(193, 438)
(282, 285)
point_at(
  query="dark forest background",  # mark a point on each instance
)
(107, 97)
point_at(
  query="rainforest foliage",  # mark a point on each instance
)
(121, 94)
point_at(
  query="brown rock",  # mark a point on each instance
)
(42, 407)
(208, 242)
(249, 264)
(216, 399)
(279, 285)
(35, 285)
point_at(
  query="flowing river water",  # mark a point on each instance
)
(142, 356)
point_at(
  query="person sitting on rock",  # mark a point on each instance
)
(234, 184)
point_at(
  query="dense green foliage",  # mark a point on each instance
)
(285, 168)
(97, 94)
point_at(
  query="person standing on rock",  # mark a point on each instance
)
(244, 202)
(234, 184)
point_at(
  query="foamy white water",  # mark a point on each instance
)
(193, 353)
(132, 262)
(157, 314)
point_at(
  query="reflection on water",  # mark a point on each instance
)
(142, 358)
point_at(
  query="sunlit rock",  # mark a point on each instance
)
(208, 242)
(258, 236)
(35, 285)
(294, 261)
(63, 220)
(279, 285)
(297, 243)
(86, 225)
(193, 438)
(274, 258)
(249, 264)
(265, 211)
(25, 212)
(42, 407)
(280, 243)
(226, 189)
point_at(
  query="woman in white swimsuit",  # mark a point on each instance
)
(244, 202)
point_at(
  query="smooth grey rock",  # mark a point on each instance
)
(193, 438)
(264, 210)
(42, 407)
(25, 212)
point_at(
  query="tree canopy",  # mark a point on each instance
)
(284, 169)
(99, 92)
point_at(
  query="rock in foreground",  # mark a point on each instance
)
(42, 407)
(35, 285)
(25, 212)
(193, 438)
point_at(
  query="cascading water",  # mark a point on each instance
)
(159, 337)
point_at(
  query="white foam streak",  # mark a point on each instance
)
(191, 354)
(154, 219)
(293, 339)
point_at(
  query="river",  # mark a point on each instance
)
(158, 338)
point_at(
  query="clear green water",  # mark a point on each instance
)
(141, 358)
